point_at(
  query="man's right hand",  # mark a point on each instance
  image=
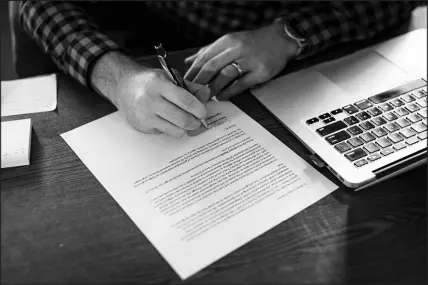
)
(150, 101)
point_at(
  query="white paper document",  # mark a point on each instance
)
(202, 196)
(15, 143)
(29, 95)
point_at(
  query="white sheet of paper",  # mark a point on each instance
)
(202, 196)
(28, 95)
(15, 143)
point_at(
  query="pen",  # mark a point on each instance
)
(173, 73)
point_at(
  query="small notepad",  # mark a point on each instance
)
(28, 95)
(15, 143)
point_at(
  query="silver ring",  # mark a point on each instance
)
(238, 68)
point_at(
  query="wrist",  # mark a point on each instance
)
(110, 72)
(290, 33)
(288, 43)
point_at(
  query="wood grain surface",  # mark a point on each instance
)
(60, 226)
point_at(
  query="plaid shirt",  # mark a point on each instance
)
(74, 40)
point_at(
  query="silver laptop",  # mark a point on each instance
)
(364, 115)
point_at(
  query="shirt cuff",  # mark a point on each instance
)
(84, 50)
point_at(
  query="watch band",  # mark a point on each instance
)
(289, 32)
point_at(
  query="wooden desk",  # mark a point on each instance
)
(60, 226)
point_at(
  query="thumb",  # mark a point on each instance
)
(202, 92)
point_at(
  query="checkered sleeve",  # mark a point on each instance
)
(325, 24)
(67, 34)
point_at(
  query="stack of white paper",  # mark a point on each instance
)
(15, 143)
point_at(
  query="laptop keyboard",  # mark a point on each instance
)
(380, 125)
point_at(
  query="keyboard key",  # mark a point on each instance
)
(367, 125)
(391, 127)
(419, 127)
(423, 112)
(401, 112)
(326, 130)
(351, 120)
(396, 137)
(407, 132)
(399, 146)
(338, 137)
(414, 117)
(329, 120)
(342, 147)
(350, 109)
(412, 107)
(422, 103)
(367, 137)
(412, 140)
(355, 154)
(422, 136)
(355, 130)
(386, 107)
(363, 116)
(360, 163)
(379, 132)
(373, 157)
(403, 122)
(337, 111)
(378, 121)
(397, 102)
(419, 94)
(386, 151)
(324, 116)
(363, 104)
(384, 142)
(391, 116)
(355, 141)
(375, 111)
(407, 98)
(371, 147)
(312, 121)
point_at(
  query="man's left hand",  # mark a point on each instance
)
(261, 54)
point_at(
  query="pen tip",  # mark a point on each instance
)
(204, 124)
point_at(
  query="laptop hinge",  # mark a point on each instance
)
(401, 163)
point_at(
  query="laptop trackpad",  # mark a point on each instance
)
(364, 73)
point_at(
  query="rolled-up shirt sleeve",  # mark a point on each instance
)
(325, 24)
(65, 32)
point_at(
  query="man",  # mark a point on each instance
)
(245, 43)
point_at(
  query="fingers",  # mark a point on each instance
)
(190, 59)
(209, 53)
(176, 116)
(212, 67)
(242, 84)
(183, 99)
(202, 92)
(226, 76)
(168, 128)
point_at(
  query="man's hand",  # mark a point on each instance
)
(147, 97)
(261, 54)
